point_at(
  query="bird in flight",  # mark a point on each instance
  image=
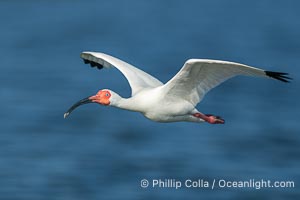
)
(175, 100)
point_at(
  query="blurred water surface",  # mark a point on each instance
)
(101, 152)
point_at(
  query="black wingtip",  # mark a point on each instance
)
(93, 64)
(279, 76)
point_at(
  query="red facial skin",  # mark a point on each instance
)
(102, 97)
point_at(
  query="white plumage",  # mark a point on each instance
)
(175, 100)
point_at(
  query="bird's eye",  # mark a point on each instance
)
(107, 94)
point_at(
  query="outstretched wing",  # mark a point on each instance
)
(198, 76)
(137, 78)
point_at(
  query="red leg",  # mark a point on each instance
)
(210, 118)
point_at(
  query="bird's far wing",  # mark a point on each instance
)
(198, 76)
(137, 78)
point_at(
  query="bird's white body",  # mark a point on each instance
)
(158, 108)
(175, 100)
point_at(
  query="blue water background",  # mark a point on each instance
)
(103, 152)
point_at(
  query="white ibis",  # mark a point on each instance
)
(176, 100)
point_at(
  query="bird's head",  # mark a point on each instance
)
(104, 97)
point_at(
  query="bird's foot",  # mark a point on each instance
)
(210, 118)
(214, 119)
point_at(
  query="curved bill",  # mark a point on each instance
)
(79, 103)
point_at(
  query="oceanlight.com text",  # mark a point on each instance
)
(256, 184)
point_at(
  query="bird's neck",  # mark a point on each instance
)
(124, 103)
